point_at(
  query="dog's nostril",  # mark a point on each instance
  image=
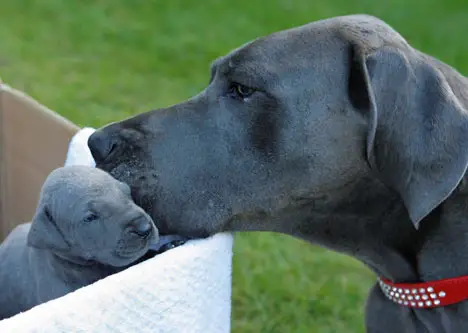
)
(101, 145)
(142, 229)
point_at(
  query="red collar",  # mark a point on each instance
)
(426, 294)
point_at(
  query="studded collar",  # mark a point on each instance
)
(426, 294)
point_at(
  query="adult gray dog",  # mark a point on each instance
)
(337, 132)
(86, 227)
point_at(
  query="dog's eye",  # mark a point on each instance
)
(240, 91)
(90, 217)
(47, 214)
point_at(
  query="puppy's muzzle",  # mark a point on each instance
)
(142, 228)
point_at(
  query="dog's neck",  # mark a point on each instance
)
(444, 252)
(77, 271)
(72, 259)
(370, 222)
(374, 227)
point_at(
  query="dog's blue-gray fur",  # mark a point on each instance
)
(86, 227)
(337, 132)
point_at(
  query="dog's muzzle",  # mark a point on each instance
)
(426, 294)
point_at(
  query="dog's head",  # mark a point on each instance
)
(85, 214)
(294, 119)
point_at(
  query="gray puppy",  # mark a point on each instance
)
(338, 132)
(86, 227)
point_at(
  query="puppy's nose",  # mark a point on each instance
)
(101, 144)
(142, 228)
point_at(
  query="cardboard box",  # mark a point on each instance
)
(33, 142)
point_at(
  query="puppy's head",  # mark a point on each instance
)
(85, 214)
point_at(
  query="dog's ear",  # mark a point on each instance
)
(44, 232)
(418, 130)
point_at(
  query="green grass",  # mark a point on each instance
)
(99, 61)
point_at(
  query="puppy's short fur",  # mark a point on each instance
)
(86, 227)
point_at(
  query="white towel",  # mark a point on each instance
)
(78, 151)
(186, 289)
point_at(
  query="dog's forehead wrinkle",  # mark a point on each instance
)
(105, 202)
(293, 60)
(216, 63)
(245, 61)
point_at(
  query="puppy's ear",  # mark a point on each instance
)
(44, 232)
(418, 130)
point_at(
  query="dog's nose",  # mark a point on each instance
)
(101, 144)
(142, 228)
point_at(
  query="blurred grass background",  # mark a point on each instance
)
(102, 60)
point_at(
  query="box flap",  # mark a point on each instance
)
(33, 141)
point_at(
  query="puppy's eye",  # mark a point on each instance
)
(90, 217)
(240, 91)
(47, 214)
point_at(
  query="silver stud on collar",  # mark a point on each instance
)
(414, 297)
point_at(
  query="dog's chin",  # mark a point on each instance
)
(127, 258)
